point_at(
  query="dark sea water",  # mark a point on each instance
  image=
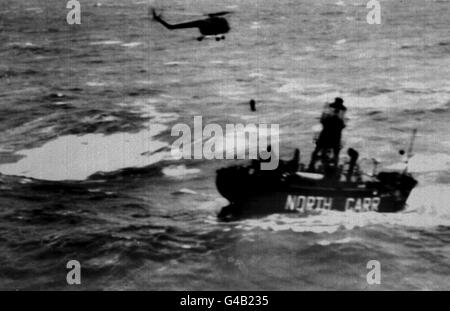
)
(85, 118)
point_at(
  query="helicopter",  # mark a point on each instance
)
(215, 26)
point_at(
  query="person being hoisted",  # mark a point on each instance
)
(329, 139)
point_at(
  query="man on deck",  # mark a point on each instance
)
(330, 138)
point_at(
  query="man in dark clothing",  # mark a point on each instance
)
(330, 137)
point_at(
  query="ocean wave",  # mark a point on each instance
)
(96, 83)
(328, 242)
(396, 100)
(422, 163)
(77, 157)
(106, 42)
(131, 44)
(175, 63)
(73, 157)
(29, 47)
(179, 171)
(427, 207)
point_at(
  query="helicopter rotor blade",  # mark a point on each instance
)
(222, 13)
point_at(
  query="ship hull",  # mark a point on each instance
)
(254, 195)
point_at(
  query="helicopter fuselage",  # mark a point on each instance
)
(213, 26)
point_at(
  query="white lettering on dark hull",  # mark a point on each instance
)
(303, 203)
(362, 204)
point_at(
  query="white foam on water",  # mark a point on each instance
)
(297, 86)
(21, 44)
(387, 101)
(77, 157)
(341, 241)
(422, 163)
(433, 200)
(145, 109)
(159, 117)
(147, 82)
(106, 42)
(98, 118)
(185, 191)
(6, 149)
(131, 44)
(74, 157)
(427, 207)
(179, 171)
(292, 87)
(232, 91)
(35, 10)
(255, 26)
(256, 75)
(415, 85)
(95, 83)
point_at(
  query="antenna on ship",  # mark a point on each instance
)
(409, 154)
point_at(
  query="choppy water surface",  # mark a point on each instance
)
(86, 113)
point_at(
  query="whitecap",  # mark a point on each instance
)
(22, 44)
(232, 91)
(430, 201)
(179, 171)
(298, 86)
(131, 44)
(146, 82)
(255, 26)
(73, 157)
(256, 75)
(427, 207)
(106, 42)
(341, 241)
(291, 87)
(6, 149)
(422, 163)
(95, 83)
(185, 191)
(35, 10)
